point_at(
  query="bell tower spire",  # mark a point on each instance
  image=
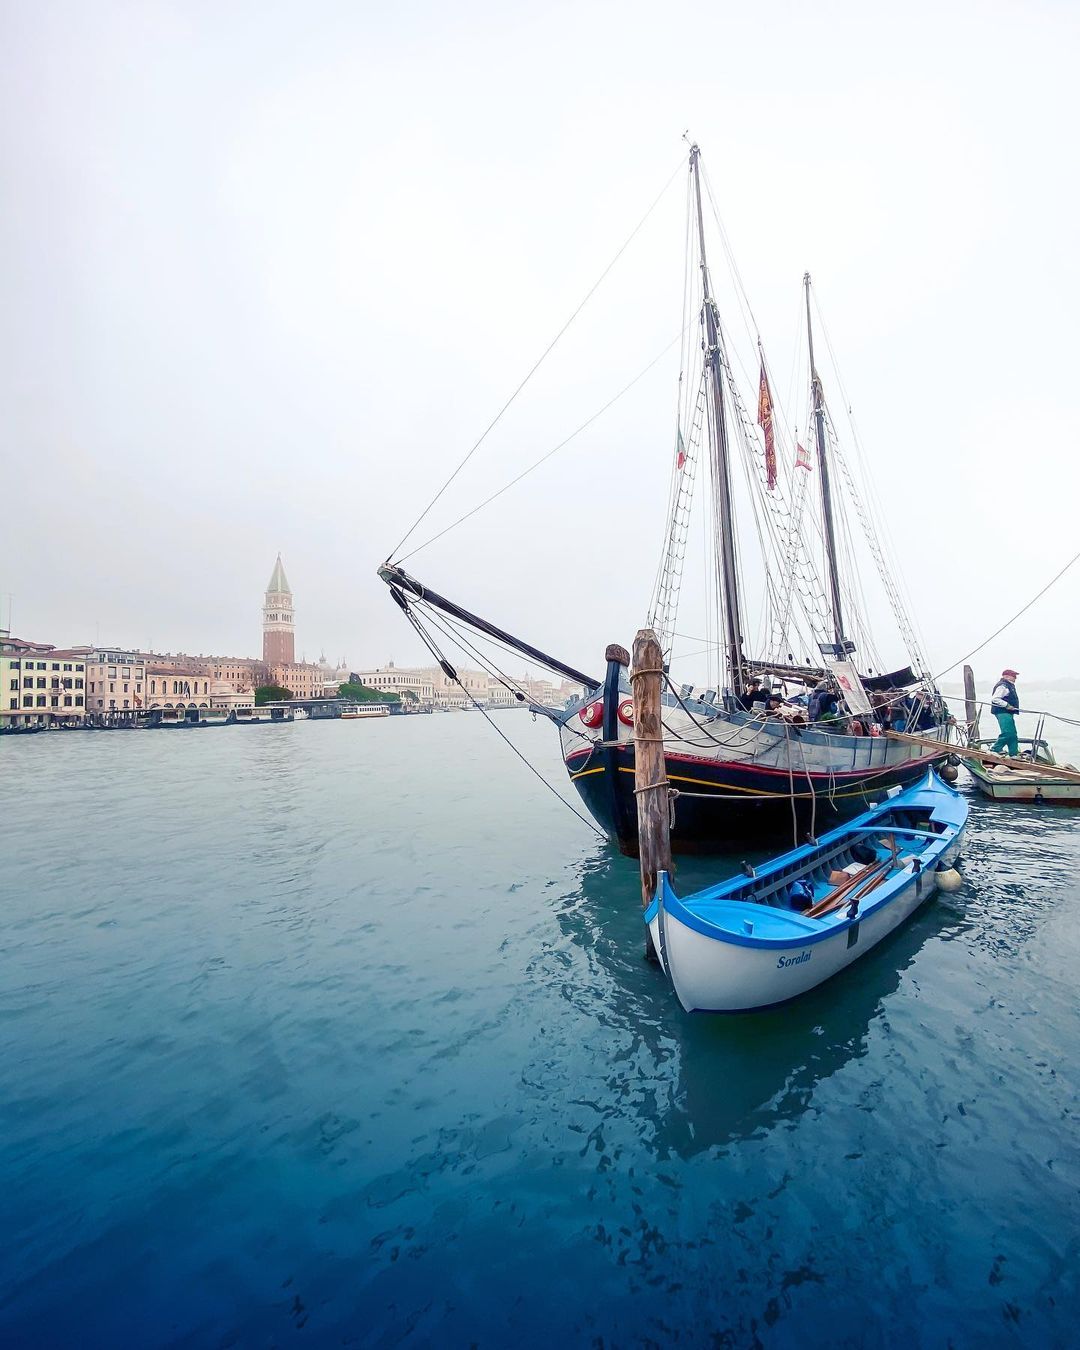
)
(279, 641)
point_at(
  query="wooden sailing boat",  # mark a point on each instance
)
(736, 773)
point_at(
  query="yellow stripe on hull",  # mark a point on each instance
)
(859, 791)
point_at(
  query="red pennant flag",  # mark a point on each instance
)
(802, 457)
(764, 417)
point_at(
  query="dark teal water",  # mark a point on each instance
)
(339, 1034)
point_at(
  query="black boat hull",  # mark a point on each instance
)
(723, 807)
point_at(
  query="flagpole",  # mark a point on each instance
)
(826, 494)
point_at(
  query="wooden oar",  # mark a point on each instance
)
(895, 861)
(862, 883)
(836, 897)
(871, 886)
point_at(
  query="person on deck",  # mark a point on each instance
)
(823, 706)
(1005, 704)
(750, 697)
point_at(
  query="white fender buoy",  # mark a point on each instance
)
(949, 880)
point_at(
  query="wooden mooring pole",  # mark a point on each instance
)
(971, 705)
(650, 771)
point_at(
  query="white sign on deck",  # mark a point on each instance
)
(851, 689)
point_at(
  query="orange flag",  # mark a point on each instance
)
(764, 417)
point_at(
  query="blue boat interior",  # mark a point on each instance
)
(881, 851)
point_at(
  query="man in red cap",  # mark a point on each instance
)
(1005, 704)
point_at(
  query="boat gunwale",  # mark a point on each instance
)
(1022, 779)
(779, 732)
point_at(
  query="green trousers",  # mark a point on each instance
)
(1006, 734)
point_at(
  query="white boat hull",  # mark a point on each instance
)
(710, 975)
(1026, 787)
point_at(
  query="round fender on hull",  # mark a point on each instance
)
(626, 712)
(592, 715)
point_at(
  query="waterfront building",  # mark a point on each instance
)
(279, 635)
(414, 685)
(471, 686)
(238, 672)
(40, 683)
(333, 678)
(566, 691)
(223, 695)
(114, 680)
(172, 685)
(541, 691)
(431, 686)
(300, 678)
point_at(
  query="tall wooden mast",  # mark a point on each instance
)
(826, 494)
(729, 585)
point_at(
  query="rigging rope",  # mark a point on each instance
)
(540, 360)
(872, 516)
(1009, 622)
(1027, 712)
(544, 458)
(446, 667)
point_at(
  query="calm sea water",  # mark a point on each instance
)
(340, 1034)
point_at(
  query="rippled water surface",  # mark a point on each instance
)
(340, 1033)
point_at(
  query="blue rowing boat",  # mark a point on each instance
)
(755, 941)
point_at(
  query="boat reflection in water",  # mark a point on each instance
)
(714, 1079)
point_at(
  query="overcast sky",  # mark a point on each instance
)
(270, 268)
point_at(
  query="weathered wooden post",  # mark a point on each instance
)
(623, 813)
(650, 772)
(971, 706)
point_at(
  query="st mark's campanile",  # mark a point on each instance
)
(279, 642)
